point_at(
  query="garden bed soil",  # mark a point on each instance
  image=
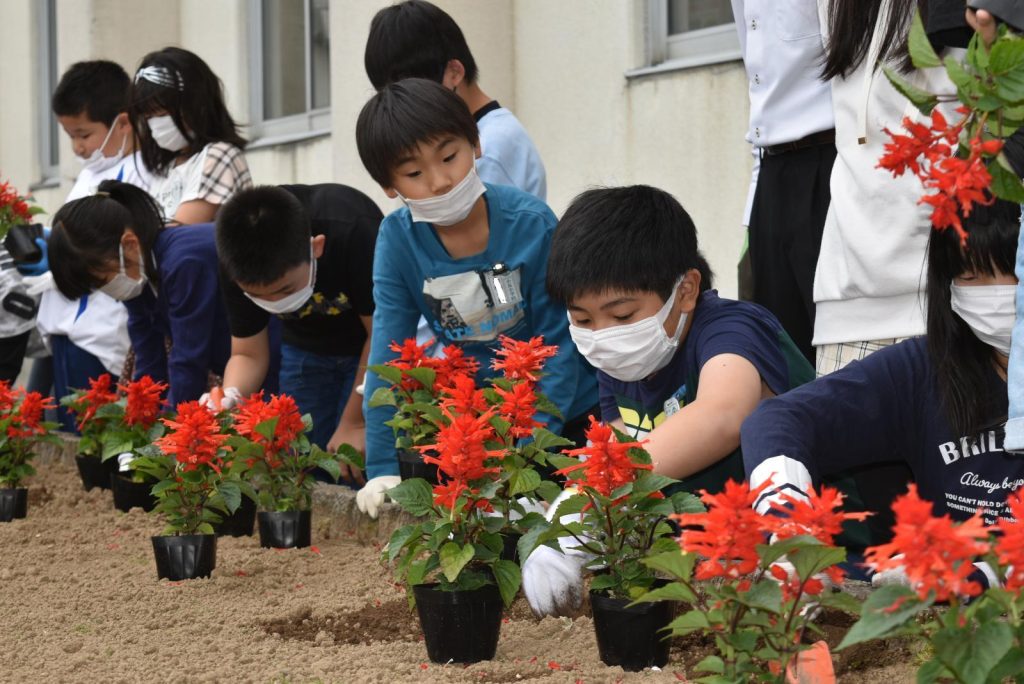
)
(82, 603)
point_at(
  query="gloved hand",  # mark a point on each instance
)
(124, 462)
(552, 579)
(40, 267)
(371, 496)
(230, 399)
(983, 573)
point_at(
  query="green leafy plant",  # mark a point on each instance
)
(131, 422)
(21, 428)
(85, 403)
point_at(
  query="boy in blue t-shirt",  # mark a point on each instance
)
(467, 256)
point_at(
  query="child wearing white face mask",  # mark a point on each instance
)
(186, 136)
(936, 402)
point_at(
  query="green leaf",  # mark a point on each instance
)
(971, 656)
(712, 664)
(1006, 56)
(545, 405)
(387, 373)
(523, 481)
(400, 538)
(267, 428)
(531, 539)
(330, 465)
(766, 595)
(383, 396)
(1006, 184)
(425, 376)
(651, 482)
(674, 591)
(546, 440)
(810, 560)
(690, 621)
(675, 564)
(507, 574)
(548, 490)
(878, 618)
(1012, 665)
(686, 502)
(920, 98)
(931, 672)
(231, 493)
(351, 456)
(414, 496)
(604, 582)
(454, 558)
(921, 51)
(574, 504)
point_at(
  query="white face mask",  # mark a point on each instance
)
(989, 310)
(631, 352)
(295, 300)
(453, 206)
(166, 133)
(121, 287)
(96, 162)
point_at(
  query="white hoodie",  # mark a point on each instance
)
(870, 276)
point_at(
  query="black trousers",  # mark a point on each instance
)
(786, 221)
(12, 353)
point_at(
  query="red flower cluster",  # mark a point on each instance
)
(27, 420)
(289, 426)
(7, 396)
(607, 465)
(459, 454)
(14, 209)
(1009, 546)
(955, 184)
(453, 365)
(522, 360)
(143, 401)
(518, 406)
(819, 516)
(195, 437)
(462, 396)
(101, 392)
(727, 534)
(936, 553)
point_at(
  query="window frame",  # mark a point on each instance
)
(311, 123)
(48, 134)
(669, 52)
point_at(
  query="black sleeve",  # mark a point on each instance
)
(946, 25)
(245, 319)
(359, 256)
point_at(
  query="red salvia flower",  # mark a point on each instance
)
(410, 355)
(820, 516)
(462, 396)
(1009, 545)
(454, 363)
(254, 410)
(195, 437)
(143, 401)
(522, 360)
(27, 421)
(518, 406)
(727, 534)
(608, 465)
(460, 447)
(101, 392)
(936, 553)
(7, 396)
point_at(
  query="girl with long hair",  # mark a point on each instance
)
(186, 136)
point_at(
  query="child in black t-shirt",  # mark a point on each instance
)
(305, 254)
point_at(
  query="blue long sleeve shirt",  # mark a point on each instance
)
(470, 302)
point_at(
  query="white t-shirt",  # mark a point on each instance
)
(213, 174)
(509, 156)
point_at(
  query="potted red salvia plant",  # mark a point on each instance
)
(18, 232)
(21, 428)
(85, 404)
(133, 425)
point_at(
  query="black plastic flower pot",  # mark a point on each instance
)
(129, 495)
(459, 626)
(94, 472)
(240, 523)
(185, 557)
(20, 243)
(13, 504)
(284, 529)
(631, 637)
(410, 465)
(510, 550)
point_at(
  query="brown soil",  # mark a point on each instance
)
(81, 602)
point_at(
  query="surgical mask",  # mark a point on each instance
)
(631, 352)
(453, 206)
(295, 300)
(989, 310)
(121, 287)
(96, 162)
(166, 133)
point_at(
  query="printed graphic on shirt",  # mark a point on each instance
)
(322, 306)
(979, 489)
(640, 420)
(475, 306)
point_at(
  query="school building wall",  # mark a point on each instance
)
(560, 66)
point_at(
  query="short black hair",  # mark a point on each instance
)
(414, 39)
(262, 233)
(404, 114)
(633, 239)
(197, 108)
(98, 89)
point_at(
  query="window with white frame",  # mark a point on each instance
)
(685, 33)
(47, 142)
(290, 55)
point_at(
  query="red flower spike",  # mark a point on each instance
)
(518, 406)
(520, 360)
(819, 515)
(937, 554)
(101, 392)
(462, 396)
(143, 401)
(453, 364)
(1009, 545)
(607, 466)
(194, 438)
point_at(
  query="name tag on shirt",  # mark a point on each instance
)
(675, 402)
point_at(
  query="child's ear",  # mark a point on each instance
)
(689, 290)
(390, 192)
(477, 150)
(318, 245)
(454, 74)
(122, 121)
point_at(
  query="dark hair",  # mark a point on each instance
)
(198, 109)
(87, 233)
(851, 26)
(98, 89)
(414, 39)
(961, 361)
(262, 233)
(404, 114)
(635, 239)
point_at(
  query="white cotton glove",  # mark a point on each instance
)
(898, 576)
(231, 399)
(124, 462)
(553, 580)
(371, 496)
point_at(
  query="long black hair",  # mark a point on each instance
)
(197, 107)
(962, 362)
(851, 26)
(87, 233)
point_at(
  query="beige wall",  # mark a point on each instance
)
(558, 65)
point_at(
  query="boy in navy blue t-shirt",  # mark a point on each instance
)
(467, 256)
